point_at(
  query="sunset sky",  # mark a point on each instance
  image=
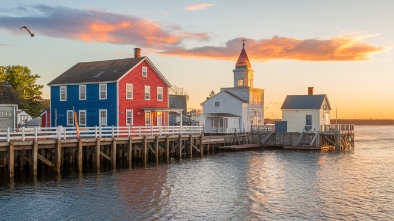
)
(342, 48)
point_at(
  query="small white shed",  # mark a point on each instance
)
(306, 112)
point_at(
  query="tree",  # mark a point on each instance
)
(211, 94)
(24, 84)
(174, 90)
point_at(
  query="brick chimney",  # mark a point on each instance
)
(137, 52)
(310, 90)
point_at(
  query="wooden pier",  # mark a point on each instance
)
(331, 137)
(96, 152)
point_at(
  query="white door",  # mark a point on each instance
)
(159, 118)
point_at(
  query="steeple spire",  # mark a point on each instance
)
(243, 59)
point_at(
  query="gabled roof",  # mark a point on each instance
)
(7, 95)
(305, 102)
(229, 93)
(102, 71)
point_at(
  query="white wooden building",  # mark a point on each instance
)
(238, 108)
(306, 112)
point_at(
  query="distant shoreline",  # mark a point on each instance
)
(350, 121)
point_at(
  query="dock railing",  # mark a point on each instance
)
(338, 129)
(40, 133)
(263, 128)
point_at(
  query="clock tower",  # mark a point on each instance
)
(243, 72)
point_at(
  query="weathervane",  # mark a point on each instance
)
(243, 43)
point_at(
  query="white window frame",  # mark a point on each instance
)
(144, 71)
(149, 114)
(82, 86)
(102, 91)
(79, 118)
(146, 95)
(127, 117)
(63, 91)
(129, 92)
(101, 119)
(160, 89)
(70, 112)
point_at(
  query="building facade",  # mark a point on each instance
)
(122, 92)
(237, 108)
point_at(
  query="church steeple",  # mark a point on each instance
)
(243, 73)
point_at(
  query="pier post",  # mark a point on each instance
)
(35, 156)
(201, 146)
(168, 148)
(130, 151)
(180, 147)
(157, 148)
(97, 154)
(58, 156)
(11, 162)
(113, 153)
(191, 146)
(80, 146)
(145, 150)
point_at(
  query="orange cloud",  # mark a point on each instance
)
(340, 48)
(198, 7)
(100, 26)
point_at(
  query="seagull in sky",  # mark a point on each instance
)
(31, 34)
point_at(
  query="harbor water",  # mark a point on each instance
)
(356, 184)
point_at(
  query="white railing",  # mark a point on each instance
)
(337, 128)
(40, 133)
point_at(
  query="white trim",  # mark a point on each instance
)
(106, 92)
(79, 118)
(72, 115)
(78, 83)
(65, 93)
(81, 86)
(106, 117)
(146, 87)
(162, 93)
(131, 120)
(132, 90)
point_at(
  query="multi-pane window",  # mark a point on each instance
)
(63, 93)
(82, 92)
(217, 104)
(129, 91)
(144, 71)
(129, 117)
(241, 82)
(103, 118)
(147, 118)
(103, 91)
(159, 93)
(82, 117)
(70, 118)
(147, 93)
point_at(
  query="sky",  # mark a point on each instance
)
(341, 48)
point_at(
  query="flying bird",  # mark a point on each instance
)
(31, 34)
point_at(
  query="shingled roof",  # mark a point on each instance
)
(7, 95)
(101, 71)
(304, 102)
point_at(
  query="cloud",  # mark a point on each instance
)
(97, 26)
(198, 7)
(339, 48)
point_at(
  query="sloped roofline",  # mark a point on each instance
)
(229, 93)
(286, 102)
(161, 76)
